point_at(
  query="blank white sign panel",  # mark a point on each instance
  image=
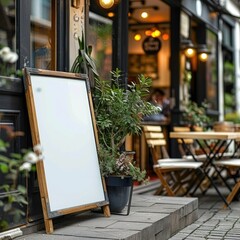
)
(67, 137)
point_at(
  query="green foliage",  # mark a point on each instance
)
(229, 72)
(187, 76)
(83, 61)
(12, 194)
(196, 115)
(119, 164)
(232, 117)
(229, 100)
(118, 113)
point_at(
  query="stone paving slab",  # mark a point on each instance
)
(214, 222)
(151, 218)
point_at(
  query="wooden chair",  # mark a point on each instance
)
(231, 165)
(172, 172)
(189, 143)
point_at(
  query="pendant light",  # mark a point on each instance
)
(106, 3)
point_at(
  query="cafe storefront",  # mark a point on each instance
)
(44, 34)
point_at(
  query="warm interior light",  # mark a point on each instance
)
(106, 3)
(148, 32)
(144, 14)
(111, 14)
(203, 57)
(156, 33)
(189, 52)
(165, 36)
(137, 37)
(203, 52)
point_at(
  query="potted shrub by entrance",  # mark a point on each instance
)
(119, 112)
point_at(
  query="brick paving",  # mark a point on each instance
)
(151, 218)
(214, 222)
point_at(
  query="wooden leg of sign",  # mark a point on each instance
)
(48, 225)
(106, 211)
(47, 221)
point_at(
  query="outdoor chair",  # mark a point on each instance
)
(187, 147)
(232, 166)
(175, 174)
(188, 151)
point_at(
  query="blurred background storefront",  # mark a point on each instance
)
(152, 37)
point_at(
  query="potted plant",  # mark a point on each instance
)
(119, 112)
(195, 115)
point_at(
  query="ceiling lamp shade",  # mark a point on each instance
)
(106, 3)
(137, 37)
(188, 48)
(190, 52)
(156, 33)
(111, 14)
(165, 36)
(203, 52)
(203, 57)
(148, 33)
(144, 15)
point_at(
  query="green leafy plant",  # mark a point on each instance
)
(228, 69)
(195, 115)
(232, 117)
(119, 112)
(84, 62)
(13, 195)
(187, 76)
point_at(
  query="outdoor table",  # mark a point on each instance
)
(213, 145)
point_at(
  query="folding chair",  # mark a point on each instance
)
(231, 164)
(189, 143)
(172, 172)
(186, 150)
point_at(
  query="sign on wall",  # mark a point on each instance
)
(151, 45)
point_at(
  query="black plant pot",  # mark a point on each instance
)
(119, 189)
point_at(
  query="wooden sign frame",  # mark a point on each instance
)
(46, 93)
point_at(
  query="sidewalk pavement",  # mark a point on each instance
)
(214, 222)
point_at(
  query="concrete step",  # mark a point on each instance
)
(151, 218)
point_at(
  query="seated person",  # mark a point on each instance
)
(158, 99)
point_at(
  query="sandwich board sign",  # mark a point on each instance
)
(62, 121)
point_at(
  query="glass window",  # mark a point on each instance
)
(211, 78)
(42, 35)
(7, 36)
(100, 37)
(46, 10)
(227, 35)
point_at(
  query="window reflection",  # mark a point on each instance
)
(212, 70)
(7, 34)
(100, 37)
(42, 35)
(7, 23)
